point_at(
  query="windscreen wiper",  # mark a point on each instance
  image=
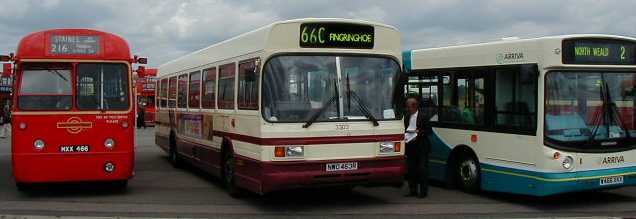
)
(615, 115)
(322, 110)
(58, 74)
(598, 118)
(364, 109)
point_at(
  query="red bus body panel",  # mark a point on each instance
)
(72, 127)
(36, 46)
(51, 165)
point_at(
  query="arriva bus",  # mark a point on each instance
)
(73, 112)
(534, 116)
(145, 91)
(298, 103)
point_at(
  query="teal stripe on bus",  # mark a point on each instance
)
(512, 180)
(406, 60)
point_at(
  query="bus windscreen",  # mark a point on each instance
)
(102, 86)
(45, 87)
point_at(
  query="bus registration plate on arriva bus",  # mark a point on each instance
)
(342, 166)
(611, 180)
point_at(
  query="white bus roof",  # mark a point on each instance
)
(544, 50)
(281, 36)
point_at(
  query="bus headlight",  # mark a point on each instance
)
(568, 162)
(294, 151)
(109, 143)
(390, 147)
(387, 147)
(39, 144)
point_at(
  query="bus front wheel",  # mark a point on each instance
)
(229, 168)
(174, 157)
(468, 173)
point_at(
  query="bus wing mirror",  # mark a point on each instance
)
(140, 60)
(6, 70)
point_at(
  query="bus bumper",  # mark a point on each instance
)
(385, 171)
(44, 168)
(532, 183)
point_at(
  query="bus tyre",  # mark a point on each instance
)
(22, 187)
(175, 160)
(120, 185)
(468, 173)
(229, 166)
(174, 157)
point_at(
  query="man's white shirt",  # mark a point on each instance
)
(411, 133)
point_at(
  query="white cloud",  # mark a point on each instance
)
(166, 29)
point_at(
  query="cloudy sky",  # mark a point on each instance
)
(166, 29)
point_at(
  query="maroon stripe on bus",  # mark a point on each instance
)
(310, 140)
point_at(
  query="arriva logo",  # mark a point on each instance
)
(613, 160)
(74, 125)
(511, 57)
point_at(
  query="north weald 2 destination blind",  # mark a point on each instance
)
(74, 45)
(336, 35)
(599, 52)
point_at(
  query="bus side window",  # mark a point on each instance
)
(516, 97)
(227, 75)
(157, 93)
(248, 85)
(463, 98)
(172, 92)
(426, 87)
(194, 90)
(182, 91)
(208, 100)
(164, 93)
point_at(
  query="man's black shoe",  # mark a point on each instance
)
(410, 194)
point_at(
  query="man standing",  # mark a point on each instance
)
(417, 148)
(141, 116)
(5, 121)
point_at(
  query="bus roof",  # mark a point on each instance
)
(281, 36)
(534, 50)
(83, 44)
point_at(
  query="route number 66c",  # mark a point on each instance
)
(314, 35)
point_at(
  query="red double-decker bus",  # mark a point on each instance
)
(73, 108)
(145, 90)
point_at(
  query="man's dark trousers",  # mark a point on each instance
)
(417, 166)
